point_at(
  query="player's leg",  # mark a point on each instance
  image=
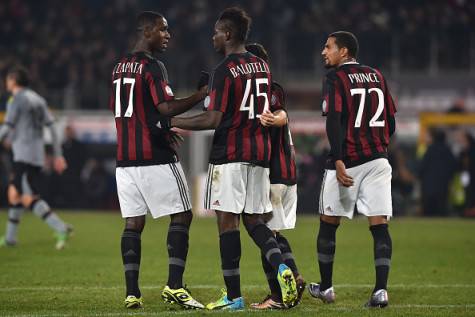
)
(133, 209)
(131, 249)
(14, 213)
(230, 251)
(335, 201)
(375, 202)
(165, 192)
(326, 245)
(30, 183)
(177, 245)
(382, 247)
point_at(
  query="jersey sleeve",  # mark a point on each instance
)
(219, 89)
(331, 94)
(13, 111)
(277, 98)
(48, 116)
(156, 78)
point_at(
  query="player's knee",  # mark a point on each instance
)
(136, 224)
(14, 197)
(330, 219)
(184, 218)
(251, 222)
(28, 200)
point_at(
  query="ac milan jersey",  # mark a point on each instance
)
(241, 89)
(139, 85)
(282, 159)
(360, 95)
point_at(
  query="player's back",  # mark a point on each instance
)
(27, 113)
(139, 84)
(282, 160)
(360, 93)
(241, 89)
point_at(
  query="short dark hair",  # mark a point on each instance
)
(20, 74)
(147, 18)
(237, 21)
(348, 40)
(258, 50)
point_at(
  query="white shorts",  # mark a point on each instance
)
(238, 188)
(284, 206)
(371, 191)
(160, 189)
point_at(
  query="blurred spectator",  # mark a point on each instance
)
(436, 171)
(403, 180)
(75, 154)
(76, 46)
(467, 165)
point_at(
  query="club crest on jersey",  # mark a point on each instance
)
(168, 90)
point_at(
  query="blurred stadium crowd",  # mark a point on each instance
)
(71, 46)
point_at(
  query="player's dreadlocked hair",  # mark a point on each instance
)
(348, 40)
(20, 75)
(258, 50)
(237, 22)
(147, 18)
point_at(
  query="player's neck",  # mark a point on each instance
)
(347, 60)
(16, 89)
(141, 46)
(234, 49)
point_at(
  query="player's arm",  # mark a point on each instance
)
(178, 106)
(203, 121)
(59, 163)
(157, 81)
(11, 118)
(334, 131)
(273, 119)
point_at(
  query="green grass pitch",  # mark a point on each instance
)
(432, 274)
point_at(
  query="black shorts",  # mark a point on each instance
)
(26, 178)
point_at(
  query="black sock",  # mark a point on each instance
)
(130, 246)
(326, 252)
(382, 254)
(271, 276)
(177, 244)
(265, 240)
(230, 248)
(287, 253)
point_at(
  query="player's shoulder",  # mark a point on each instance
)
(332, 75)
(30, 96)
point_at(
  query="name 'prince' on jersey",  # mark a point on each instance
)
(241, 89)
(139, 85)
(359, 96)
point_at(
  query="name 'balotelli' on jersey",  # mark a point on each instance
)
(139, 85)
(241, 89)
(358, 95)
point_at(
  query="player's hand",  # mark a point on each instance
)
(164, 123)
(176, 139)
(203, 81)
(60, 164)
(267, 118)
(341, 175)
(6, 144)
(203, 92)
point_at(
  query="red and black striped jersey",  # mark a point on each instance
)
(139, 85)
(282, 158)
(359, 97)
(241, 89)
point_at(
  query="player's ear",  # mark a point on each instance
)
(228, 35)
(343, 52)
(147, 31)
